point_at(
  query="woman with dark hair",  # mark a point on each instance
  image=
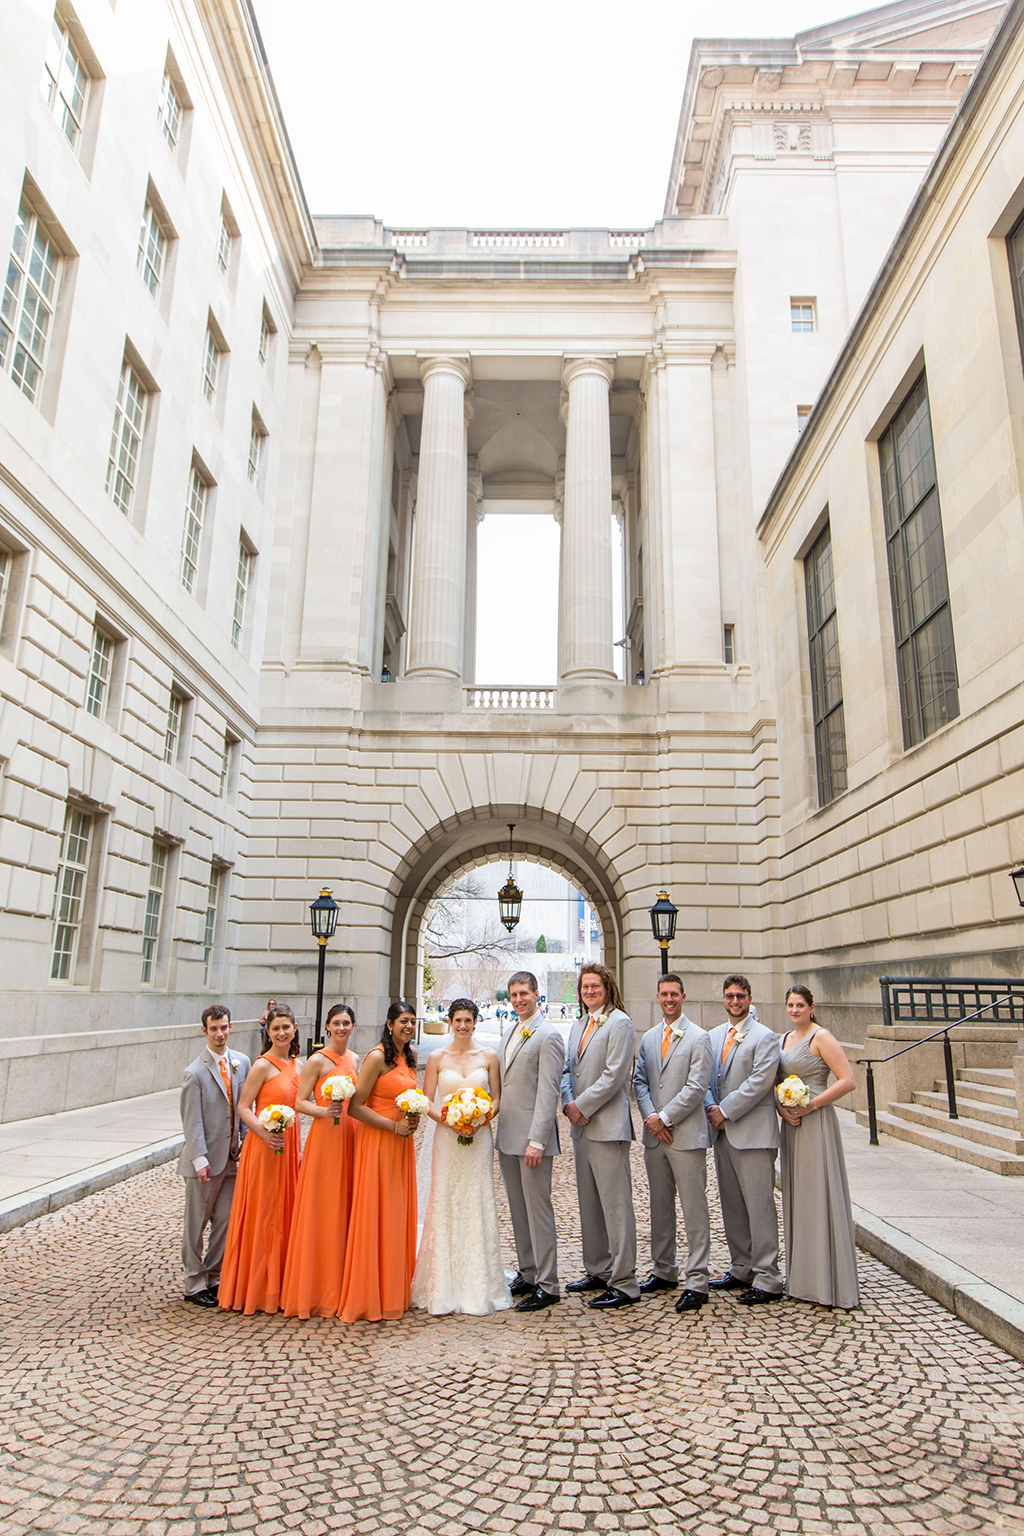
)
(821, 1254)
(459, 1267)
(268, 1170)
(316, 1248)
(381, 1252)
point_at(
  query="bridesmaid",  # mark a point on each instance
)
(261, 1211)
(381, 1252)
(316, 1248)
(821, 1253)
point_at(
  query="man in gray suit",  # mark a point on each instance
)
(673, 1070)
(595, 1101)
(740, 1106)
(530, 1060)
(209, 1159)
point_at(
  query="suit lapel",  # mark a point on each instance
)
(518, 1048)
(215, 1073)
(673, 1042)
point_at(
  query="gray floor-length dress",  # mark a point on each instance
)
(821, 1255)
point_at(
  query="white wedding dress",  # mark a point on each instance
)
(459, 1266)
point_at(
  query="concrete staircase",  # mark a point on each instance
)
(988, 1132)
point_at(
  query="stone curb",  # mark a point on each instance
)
(18, 1209)
(983, 1306)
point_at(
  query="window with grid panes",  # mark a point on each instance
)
(264, 337)
(195, 511)
(69, 894)
(169, 112)
(223, 244)
(152, 249)
(154, 911)
(225, 766)
(243, 574)
(211, 363)
(5, 576)
(256, 436)
(99, 673)
(172, 730)
(826, 676)
(65, 82)
(801, 315)
(30, 297)
(925, 652)
(210, 924)
(126, 439)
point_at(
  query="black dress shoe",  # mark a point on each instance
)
(757, 1298)
(521, 1287)
(692, 1301)
(202, 1299)
(537, 1301)
(588, 1283)
(729, 1283)
(612, 1299)
(656, 1283)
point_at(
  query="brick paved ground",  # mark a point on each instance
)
(125, 1413)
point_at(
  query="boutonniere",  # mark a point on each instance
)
(678, 1032)
(527, 1033)
(234, 1064)
(599, 1019)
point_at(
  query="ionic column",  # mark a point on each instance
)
(586, 574)
(439, 550)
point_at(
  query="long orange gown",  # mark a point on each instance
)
(381, 1253)
(316, 1248)
(261, 1211)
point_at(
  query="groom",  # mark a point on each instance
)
(530, 1059)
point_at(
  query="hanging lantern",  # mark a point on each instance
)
(510, 897)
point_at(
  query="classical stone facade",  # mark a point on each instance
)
(309, 417)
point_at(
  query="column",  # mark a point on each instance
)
(439, 543)
(586, 574)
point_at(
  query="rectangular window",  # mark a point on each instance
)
(5, 577)
(30, 297)
(99, 673)
(729, 643)
(801, 315)
(152, 249)
(925, 653)
(211, 363)
(126, 439)
(226, 765)
(210, 924)
(243, 574)
(223, 245)
(265, 333)
(195, 512)
(65, 82)
(802, 414)
(169, 111)
(826, 677)
(69, 894)
(173, 728)
(257, 437)
(154, 911)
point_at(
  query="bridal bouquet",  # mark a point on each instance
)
(277, 1117)
(337, 1089)
(413, 1103)
(465, 1111)
(793, 1093)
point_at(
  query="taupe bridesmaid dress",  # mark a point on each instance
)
(821, 1255)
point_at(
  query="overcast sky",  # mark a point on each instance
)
(545, 112)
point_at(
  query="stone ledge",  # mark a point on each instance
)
(19, 1209)
(92, 1039)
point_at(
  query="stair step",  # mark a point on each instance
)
(996, 1077)
(981, 1093)
(949, 1146)
(965, 1128)
(1005, 1116)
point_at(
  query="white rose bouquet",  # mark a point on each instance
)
(793, 1093)
(466, 1111)
(277, 1117)
(336, 1090)
(413, 1103)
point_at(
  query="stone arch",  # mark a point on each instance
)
(480, 835)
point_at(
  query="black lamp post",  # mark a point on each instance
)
(510, 897)
(323, 919)
(663, 926)
(1017, 876)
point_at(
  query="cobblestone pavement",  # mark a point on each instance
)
(126, 1413)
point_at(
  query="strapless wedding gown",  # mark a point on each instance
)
(459, 1267)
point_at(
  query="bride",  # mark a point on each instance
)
(459, 1267)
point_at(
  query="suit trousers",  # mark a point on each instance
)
(607, 1222)
(206, 1204)
(533, 1220)
(746, 1186)
(669, 1170)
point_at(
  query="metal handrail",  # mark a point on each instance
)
(947, 1058)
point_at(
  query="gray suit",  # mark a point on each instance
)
(744, 1090)
(674, 1089)
(206, 1123)
(598, 1081)
(529, 1112)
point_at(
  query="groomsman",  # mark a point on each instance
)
(673, 1070)
(530, 1059)
(209, 1159)
(740, 1106)
(595, 1101)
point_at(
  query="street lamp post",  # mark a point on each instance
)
(1017, 876)
(323, 919)
(663, 925)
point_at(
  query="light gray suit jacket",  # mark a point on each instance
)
(205, 1117)
(676, 1086)
(529, 1090)
(599, 1081)
(745, 1090)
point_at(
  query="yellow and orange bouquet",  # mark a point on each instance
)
(413, 1103)
(466, 1111)
(336, 1090)
(793, 1093)
(277, 1117)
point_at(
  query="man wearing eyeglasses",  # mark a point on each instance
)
(740, 1106)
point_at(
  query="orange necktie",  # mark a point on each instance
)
(586, 1036)
(730, 1041)
(226, 1080)
(666, 1041)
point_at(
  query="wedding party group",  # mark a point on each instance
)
(335, 1232)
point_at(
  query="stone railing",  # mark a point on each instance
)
(403, 238)
(519, 238)
(628, 239)
(510, 698)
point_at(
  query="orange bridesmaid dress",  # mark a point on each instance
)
(381, 1253)
(316, 1248)
(261, 1211)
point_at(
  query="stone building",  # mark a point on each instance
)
(243, 456)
